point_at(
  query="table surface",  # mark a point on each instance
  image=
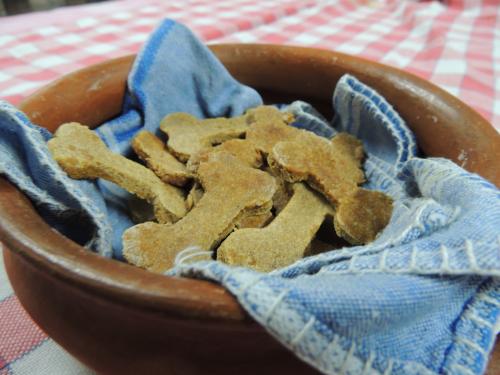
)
(454, 45)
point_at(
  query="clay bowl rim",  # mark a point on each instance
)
(24, 232)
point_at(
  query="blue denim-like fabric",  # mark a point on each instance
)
(75, 208)
(423, 298)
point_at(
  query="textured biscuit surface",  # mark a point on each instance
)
(232, 191)
(268, 129)
(188, 135)
(349, 145)
(318, 161)
(361, 216)
(334, 169)
(242, 149)
(154, 153)
(284, 240)
(269, 113)
(245, 152)
(270, 126)
(82, 154)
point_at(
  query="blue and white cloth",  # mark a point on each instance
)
(423, 298)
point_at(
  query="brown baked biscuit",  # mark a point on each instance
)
(188, 135)
(232, 191)
(82, 154)
(349, 145)
(259, 119)
(270, 126)
(318, 161)
(246, 153)
(361, 216)
(264, 134)
(154, 153)
(242, 149)
(269, 114)
(334, 169)
(284, 240)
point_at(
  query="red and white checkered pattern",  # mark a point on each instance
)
(453, 43)
(31, 57)
(452, 47)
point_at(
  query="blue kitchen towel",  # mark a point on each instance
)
(76, 208)
(423, 298)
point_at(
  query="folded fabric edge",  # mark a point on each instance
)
(37, 137)
(478, 342)
(146, 58)
(335, 355)
(339, 354)
(402, 135)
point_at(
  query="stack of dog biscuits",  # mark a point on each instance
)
(253, 190)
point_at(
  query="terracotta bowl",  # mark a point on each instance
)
(119, 319)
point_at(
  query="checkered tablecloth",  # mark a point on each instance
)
(455, 44)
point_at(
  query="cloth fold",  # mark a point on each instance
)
(423, 298)
(414, 300)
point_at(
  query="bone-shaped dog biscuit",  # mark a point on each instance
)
(361, 216)
(246, 152)
(349, 145)
(187, 134)
(270, 126)
(264, 134)
(260, 120)
(153, 151)
(269, 114)
(240, 148)
(317, 161)
(284, 240)
(334, 169)
(82, 154)
(232, 190)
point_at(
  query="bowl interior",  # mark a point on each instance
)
(444, 127)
